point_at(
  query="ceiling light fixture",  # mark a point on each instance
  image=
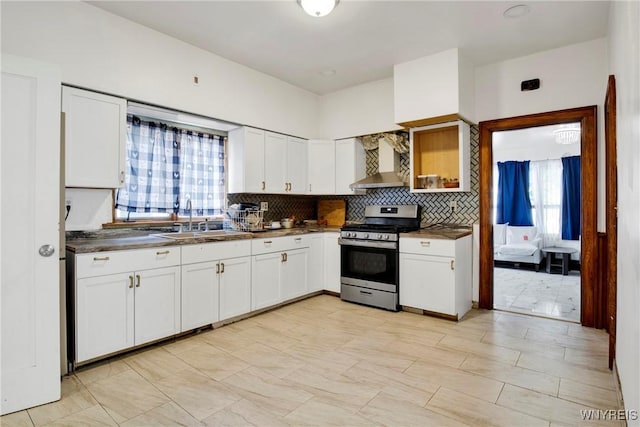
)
(516, 11)
(318, 8)
(567, 136)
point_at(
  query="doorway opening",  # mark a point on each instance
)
(587, 242)
(536, 217)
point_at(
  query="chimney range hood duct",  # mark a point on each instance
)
(388, 166)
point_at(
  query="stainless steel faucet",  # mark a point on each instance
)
(188, 207)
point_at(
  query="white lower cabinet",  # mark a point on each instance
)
(279, 269)
(216, 282)
(117, 306)
(316, 262)
(435, 275)
(331, 261)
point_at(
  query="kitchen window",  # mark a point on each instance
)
(167, 165)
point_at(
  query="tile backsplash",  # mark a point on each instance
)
(435, 206)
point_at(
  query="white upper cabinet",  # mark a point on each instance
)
(275, 163)
(95, 139)
(266, 162)
(321, 166)
(434, 89)
(246, 160)
(296, 165)
(350, 164)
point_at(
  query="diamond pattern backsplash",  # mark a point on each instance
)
(435, 206)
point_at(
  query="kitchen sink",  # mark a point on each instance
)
(197, 234)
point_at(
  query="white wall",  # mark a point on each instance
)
(90, 208)
(624, 60)
(358, 110)
(101, 51)
(571, 76)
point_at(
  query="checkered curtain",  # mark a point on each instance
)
(152, 181)
(168, 165)
(201, 173)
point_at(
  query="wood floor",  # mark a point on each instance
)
(322, 361)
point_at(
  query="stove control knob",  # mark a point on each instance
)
(365, 236)
(386, 237)
(379, 236)
(353, 235)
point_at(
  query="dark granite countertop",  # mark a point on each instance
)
(441, 232)
(152, 240)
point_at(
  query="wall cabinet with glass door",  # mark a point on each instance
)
(440, 158)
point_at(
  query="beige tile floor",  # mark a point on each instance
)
(322, 361)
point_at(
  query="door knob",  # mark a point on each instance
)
(46, 250)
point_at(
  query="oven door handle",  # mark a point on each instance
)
(367, 243)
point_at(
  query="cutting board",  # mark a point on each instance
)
(333, 211)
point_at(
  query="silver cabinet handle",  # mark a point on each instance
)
(268, 242)
(286, 257)
(121, 177)
(425, 244)
(281, 257)
(103, 258)
(264, 185)
(130, 282)
(286, 186)
(298, 239)
(162, 252)
(452, 265)
(137, 280)
(218, 268)
(222, 267)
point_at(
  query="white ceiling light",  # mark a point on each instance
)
(318, 8)
(567, 136)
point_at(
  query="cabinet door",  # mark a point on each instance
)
(199, 292)
(331, 262)
(297, 165)
(235, 287)
(275, 163)
(350, 164)
(316, 262)
(427, 282)
(321, 167)
(95, 138)
(104, 315)
(294, 274)
(254, 161)
(157, 304)
(265, 279)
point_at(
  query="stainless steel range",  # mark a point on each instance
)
(369, 255)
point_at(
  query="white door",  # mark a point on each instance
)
(235, 287)
(275, 162)
(157, 304)
(294, 274)
(199, 295)
(297, 165)
(265, 280)
(30, 180)
(104, 315)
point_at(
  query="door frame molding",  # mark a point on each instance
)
(611, 212)
(587, 116)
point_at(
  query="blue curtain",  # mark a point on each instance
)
(514, 204)
(571, 198)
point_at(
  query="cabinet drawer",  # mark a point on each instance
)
(279, 244)
(428, 246)
(215, 251)
(101, 263)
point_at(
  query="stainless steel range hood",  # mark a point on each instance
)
(388, 166)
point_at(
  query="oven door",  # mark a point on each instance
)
(371, 267)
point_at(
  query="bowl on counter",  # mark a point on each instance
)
(274, 225)
(286, 222)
